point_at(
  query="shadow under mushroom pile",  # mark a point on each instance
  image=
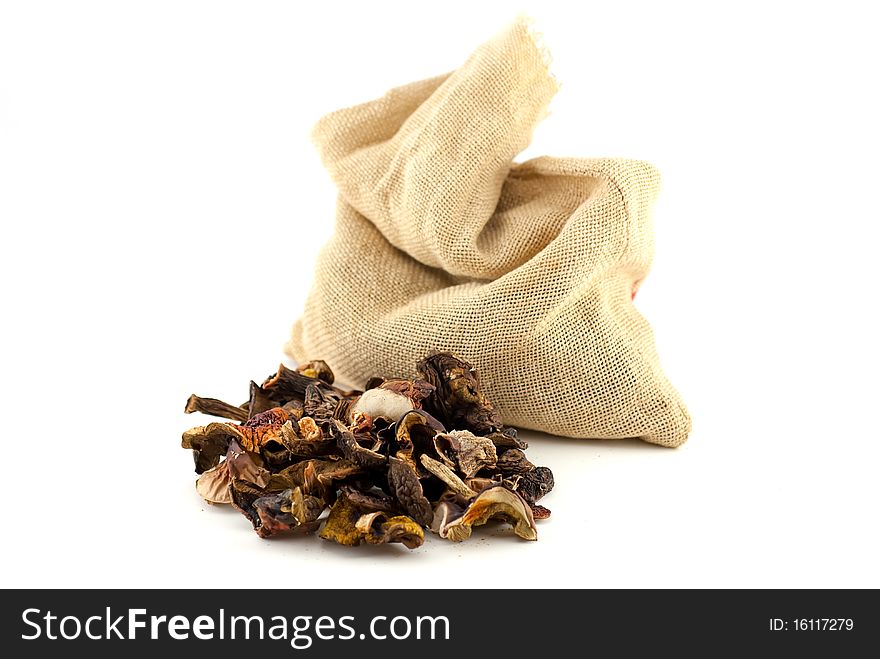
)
(401, 456)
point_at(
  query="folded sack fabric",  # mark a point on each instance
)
(526, 270)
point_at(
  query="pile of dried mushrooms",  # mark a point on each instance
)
(389, 461)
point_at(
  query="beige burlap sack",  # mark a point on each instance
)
(525, 270)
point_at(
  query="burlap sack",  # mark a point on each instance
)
(526, 270)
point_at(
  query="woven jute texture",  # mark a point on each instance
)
(525, 270)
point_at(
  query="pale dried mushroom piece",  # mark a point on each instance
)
(494, 503)
(468, 452)
(445, 512)
(309, 430)
(448, 476)
(213, 485)
(390, 400)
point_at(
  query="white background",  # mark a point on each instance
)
(161, 208)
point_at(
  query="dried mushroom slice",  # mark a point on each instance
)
(314, 445)
(246, 466)
(286, 511)
(318, 369)
(213, 485)
(379, 529)
(445, 474)
(514, 461)
(532, 485)
(369, 500)
(405, 485)
(414, 433)
(294, 409)
(506, 439)
(287, 384)
(482, 483)
(458, 401)
(214, 407)
(341, 525)
(319, 403)
(274, 416)
(259, 400)
(445, 512)
(208, 443)
(356, 453)
(257, 439)
(316, 477)
(467, 452)
(309, 430)
(494, 503)
(539, 512)
(243, 494)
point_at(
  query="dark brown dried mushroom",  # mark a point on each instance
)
(534, 484)
(458, 401)
(356, 453)
(287, 384)
(369, 500)
(494, 503)
(514, 461)
(259, 400)
(506, 439)
(286, 511)
(405, 485)
(214, 407)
